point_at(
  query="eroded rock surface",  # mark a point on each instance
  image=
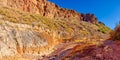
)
(24, 39)
(48, 9)
(30, 29)
(109, 50)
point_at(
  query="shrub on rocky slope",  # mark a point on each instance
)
(115, 35)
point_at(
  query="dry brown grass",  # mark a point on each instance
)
(115, 35)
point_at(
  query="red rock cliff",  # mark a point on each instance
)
(51, 10)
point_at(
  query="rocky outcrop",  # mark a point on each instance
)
(29, 34)
(23, 39)
(89, 18)
(109, 50)
(35, 27)
(48, 9)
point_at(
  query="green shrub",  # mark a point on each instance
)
(115, 35)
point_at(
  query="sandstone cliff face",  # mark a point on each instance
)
(48, 9)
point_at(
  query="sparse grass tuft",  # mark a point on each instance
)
(103, 28)
(26, 18)
(64, 27)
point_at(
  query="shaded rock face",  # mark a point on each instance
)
(51, 10)
(89, 18)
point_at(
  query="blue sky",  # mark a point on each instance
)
(107, 11)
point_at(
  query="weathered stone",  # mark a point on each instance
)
(48, 9)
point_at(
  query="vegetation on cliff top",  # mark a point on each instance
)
(67, 28)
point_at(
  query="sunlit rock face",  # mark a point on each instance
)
(31, 28)
(23, 39)
(48, 9)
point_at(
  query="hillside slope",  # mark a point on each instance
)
(48, 9)
(28, 35)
